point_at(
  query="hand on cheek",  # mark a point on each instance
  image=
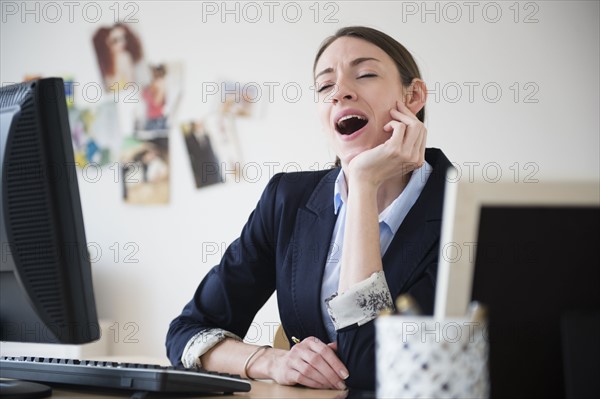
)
(402, 153)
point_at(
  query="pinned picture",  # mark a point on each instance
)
(145, 171)
(225, 141)
(119, 53)
(123, 70)
(159, 99)
(238, 99)
(95, 134)
(205, 164)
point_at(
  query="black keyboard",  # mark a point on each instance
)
(127, 376)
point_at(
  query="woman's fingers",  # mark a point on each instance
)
(401, 154)
(404, 118)
(318, 363)
(423, 145)
(289, 368)
(420, 146)
(412, 149)
(325, 361)
(405, 110)
(395, 127)
(296, 377)
(404, 137)
(336, 366)
(309, 373)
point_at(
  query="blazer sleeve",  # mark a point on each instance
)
(233, 291)
(356, 344)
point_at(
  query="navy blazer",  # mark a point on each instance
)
(283, 247)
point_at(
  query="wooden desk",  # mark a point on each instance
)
(260, 389)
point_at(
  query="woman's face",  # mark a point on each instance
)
(358, 84)
(116, 39)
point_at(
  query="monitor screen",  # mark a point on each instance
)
(537, 269)
(46, 292)
(528, 252)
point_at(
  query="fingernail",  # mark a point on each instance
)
(344, 374)
(341, 385)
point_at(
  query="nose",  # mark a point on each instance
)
(343, 90)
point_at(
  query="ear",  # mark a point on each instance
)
(416, 95)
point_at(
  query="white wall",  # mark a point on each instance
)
(556, 137)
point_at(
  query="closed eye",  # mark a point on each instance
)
(367, 75)
(325, 87)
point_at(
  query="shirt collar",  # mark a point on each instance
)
(340, 192)
(394, 214)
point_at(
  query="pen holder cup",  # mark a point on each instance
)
(421, 357)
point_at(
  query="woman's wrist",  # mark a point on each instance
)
(365, 187)
(263, 364)
(362, 200)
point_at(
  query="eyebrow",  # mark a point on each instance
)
(353, 63)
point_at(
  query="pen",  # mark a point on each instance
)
(295, 340)
(477, 312)
(407, 306)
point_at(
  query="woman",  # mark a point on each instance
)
(154, 96)
(366, 232)
(119, 51)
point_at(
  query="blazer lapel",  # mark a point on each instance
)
(412, 242)
(420, 230)
(312, 238)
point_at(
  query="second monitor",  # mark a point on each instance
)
(529, 253)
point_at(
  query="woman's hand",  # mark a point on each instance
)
(311, 363)
(402, 153)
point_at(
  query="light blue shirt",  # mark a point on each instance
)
(390, 220)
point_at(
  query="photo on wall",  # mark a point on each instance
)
(95, 134)
(232, 100)
(238, 99)
(205, 164)
(120, 57)
(145, 171)
(158, 100)
(225, 143)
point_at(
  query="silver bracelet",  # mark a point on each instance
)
(250, 358)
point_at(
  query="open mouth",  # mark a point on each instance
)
(349, 124)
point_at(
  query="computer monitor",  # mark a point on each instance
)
(529, 253)
(46, 292)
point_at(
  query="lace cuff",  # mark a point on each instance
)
(201, 343)
(361, 303)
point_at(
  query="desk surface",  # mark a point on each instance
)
(260, 389)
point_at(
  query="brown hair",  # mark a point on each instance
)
(105, 59)
(102, 52)
(407, 67)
